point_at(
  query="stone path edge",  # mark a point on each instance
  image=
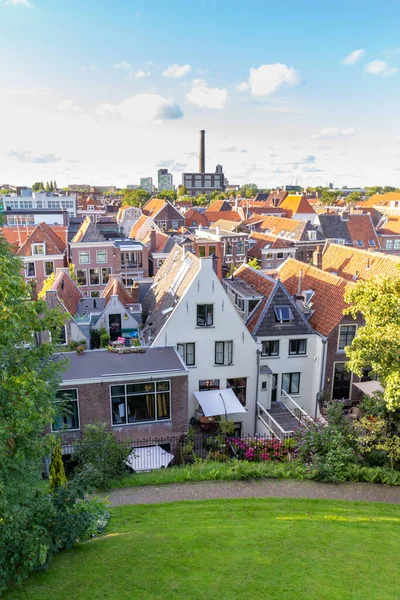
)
(270, 488)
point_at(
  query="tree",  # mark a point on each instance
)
(135, 198)
(353, 197)
(36, 186)
(377, 344)
(253, 262)
(47, 188)
(168, 195)
(329, 196)
(182, 191)
(41, 186)
(54, 185)
(51, 187)
(57, 472)
(50, 280)
(248, 190)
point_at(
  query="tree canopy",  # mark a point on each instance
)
(135, 198)
(248, 190)
(377, 344)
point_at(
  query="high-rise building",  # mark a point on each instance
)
(165, 180)
(146, 184)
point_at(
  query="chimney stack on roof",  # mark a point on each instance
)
(202, 156)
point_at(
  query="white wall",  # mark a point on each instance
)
(115, 307)
(181, 328)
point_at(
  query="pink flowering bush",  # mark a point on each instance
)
(260, 449)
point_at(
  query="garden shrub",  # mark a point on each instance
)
(260, 449)
(57, 473)
(100, 449)
(104, 338)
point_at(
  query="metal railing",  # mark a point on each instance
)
(270, 423)
(292, 406)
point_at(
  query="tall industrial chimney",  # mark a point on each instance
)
(202, 159)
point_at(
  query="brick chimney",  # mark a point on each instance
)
(153, 240)
(135, 293)
(317, 257)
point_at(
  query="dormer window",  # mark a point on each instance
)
(283, 314)
(38, 249)
(360, 243)
(312, 235)
(371, 242)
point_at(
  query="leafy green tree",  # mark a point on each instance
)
(200, 200)
(47, 188)
(253, 262)
(41, 189)
(182, 191)
(354, 197)
(329, 196)
(57, 472)
(50, 280)
(372, 190)
(135, 198)
(377, 344)
(168, 195)
(248, 190)
(54, 185)
(36, 186)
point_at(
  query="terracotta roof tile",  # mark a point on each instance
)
(194, 215)
(135, 231)
(226, 215)
(263, 240)
(67, 291)
(361, 229)
(152, 207)
(293, 205)
(353, 263)
(380, 199)
(390, 226)
(115, 287)
(220, 205)
(43, 234)
(328, 299)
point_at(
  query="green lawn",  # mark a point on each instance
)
(232, 549)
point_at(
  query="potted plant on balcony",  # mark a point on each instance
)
(80, 349)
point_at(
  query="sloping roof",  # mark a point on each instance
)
(349, 262)
(170, 284)
(42, 234)
(164, 242)
(293, 205)
(67, 291)
(142, 220)
(380, 199)
(262, 240)
(226, 225)
(194, 215)
(279, 226)
(153, 207)
(220, 205)
(262, 283)
(88, 232)
(390, 226)
(84, 202)
(115, 287)
(276, 195)
(361, 229)
(328, 299)
(226, 215)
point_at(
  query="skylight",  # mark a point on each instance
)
(360, 243)
(372, 242)
(283, 314)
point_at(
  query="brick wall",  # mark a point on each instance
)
(95, 406)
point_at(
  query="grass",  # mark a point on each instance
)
(232, 549)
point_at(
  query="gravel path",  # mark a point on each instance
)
(205, 490)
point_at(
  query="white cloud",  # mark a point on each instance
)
(202, 95)
(17, 3)
(353, 57)
(233, 149)
(123, 65)
(139, 74)
(68, 105)
(268, 78)
(380, 67)
(177, 71)
(143, 108)
(243, 86)
(27, 156)
(332, 132)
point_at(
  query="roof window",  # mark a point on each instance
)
(371, 242)
(283, 314)
(360, 243)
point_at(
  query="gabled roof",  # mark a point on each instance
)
(220, 205)
(262, 283)
(84, 202)
(136, 228)
(164, 242)
(123, 209)
(153, 207)
(88, 232)
(263, 240)
(226, 215)
(354, 264)
(380, 199)
(293, 205)
(354, 229)
(288, 228)
(115, 287)
(194, 215)
(276, 195)
(170, 284)
(389, 226)
(67, 291)
(42, 234)
(328, 299)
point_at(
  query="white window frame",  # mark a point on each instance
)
(84, 262)
(101, 262)
(36, 247)
(109, 275)
(30, 262)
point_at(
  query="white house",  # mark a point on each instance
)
(40, 201)
(127, 216)
(188, 308)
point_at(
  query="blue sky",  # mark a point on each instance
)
(106, 92)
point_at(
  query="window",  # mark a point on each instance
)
(360, 243)
(297, 347)
(238, 385)
(187, 353)
(346, 336)
(160, 262)
(61, 336)
(205, 315)
(312, 235)
(240, 247)
(101, 256)
(48, 267)
(291, 383)
(81, 276)
(175, 225)
(208, 384)
(202, 251)
(105, 275)
(38, 249)
(228, 249)
(69, 417)
(283, 314)
(223, 353)
(212, 250)
(279, 256)
(162, 225)
(94, 277)
(95, 295)
(139, 402)
(252, 305)
(264, 386)
(389, 244)
(396, 245)
(372, 242)
(270, 348)
(84, 258)
(239, 302)
(30, 270)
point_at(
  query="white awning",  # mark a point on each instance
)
(369, 387)
(148, 458)
(219, 402)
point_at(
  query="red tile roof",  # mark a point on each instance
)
(293, 205)
(42, 234)
(67, 291)
(361, 228)
(391, 226)
(153, 207)
(328, 299)
(220, 205)
(263, 240)
(138, 225)
(18, 235)
(194, 215)
(350, 263)
(226, 215)
(380, 199)
(161, 240)
(115, 287)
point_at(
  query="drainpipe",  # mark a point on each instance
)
(322, 379)
(258, 352)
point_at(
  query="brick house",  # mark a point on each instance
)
(42, 253)
(165, 215)
(269, 251)
(138, 396)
